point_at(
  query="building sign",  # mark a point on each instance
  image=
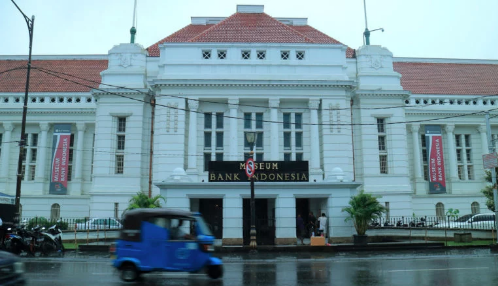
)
(435, 159)
(266, 171)
(60, 159)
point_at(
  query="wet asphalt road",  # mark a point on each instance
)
(439, 267)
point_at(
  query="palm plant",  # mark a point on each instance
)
(362, 209)
(141, 200)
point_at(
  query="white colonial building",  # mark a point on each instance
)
(357, 117)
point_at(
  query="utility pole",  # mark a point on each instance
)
(491, 149)
(22, 142)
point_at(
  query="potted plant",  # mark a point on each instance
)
(362, 209)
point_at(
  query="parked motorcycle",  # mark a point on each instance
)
(375, 223)
(19, 240)
(52, 241)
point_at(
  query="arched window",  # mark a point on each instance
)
(440, 210)
(475, 208)
(55, 212)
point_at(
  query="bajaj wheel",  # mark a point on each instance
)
(129, 272)
(215, 271)
(15, 247)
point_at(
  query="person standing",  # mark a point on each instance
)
(311, 224)
(300, 228)
(323, 224)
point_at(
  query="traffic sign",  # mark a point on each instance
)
(250, 168)
(490, 160)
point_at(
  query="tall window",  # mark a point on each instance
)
(93, 150)
(424, 157)
(70, 160)
(29, 157)
(388, 211)
(120, 145)
(475, 208)
(213, 138)
(254, 122)
(116, 210)
(55, 212)
(440, 210)
(1, 144)
(382, 141)
(464, 156)
(293, 136)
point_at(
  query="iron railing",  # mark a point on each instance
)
(470, 222)
(79, 224)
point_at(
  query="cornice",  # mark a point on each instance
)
(265, 185)
(51, 112)
(134, 91)
(348, 84)
(440, 113)
(404, 94)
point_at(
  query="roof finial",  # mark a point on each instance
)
(366, 34)
(133, 30)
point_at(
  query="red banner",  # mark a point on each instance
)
(434, 142)
(60, 159)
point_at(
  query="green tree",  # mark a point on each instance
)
(452, 213)
(362, 209)
(488, 193)
(142, 201)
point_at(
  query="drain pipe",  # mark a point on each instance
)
(153, 105)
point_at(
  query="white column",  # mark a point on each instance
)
(285, 213)
(274, 104)
(484, 139)
(192, 135)
(416, 150)
(451, 148)
(42, 153)
(233, 104)
(315, 140)
(232, 219)
(7, 137)
(79, 151)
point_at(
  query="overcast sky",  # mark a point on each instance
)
(413, 28)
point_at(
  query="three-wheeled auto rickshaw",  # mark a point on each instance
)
(164, 240)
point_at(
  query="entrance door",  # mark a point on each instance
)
(265, 222)
(212, 212)
(303, 208)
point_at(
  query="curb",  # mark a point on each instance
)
(308, 249)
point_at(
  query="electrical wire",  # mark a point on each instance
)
(257, 106)
(270, 121)
(13, 69)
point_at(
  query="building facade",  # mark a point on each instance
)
(151, 120)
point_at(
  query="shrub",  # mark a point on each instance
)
(43, 222)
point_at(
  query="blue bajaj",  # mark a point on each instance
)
(164, 240)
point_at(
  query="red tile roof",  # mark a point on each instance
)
(181, 36)
(248, 28)
(448, 78)
(15, 81)
(419, 78)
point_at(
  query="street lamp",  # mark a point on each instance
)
(22, 142)
(251, 138)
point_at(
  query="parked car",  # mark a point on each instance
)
(99, 223)
(469, 221)
(11, 269)
(482, 221)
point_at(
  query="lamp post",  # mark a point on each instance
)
(22, 142)
(251, 138)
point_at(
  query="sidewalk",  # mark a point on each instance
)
(100, 242)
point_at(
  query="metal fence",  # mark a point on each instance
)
(470, 222)
(79, 224)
